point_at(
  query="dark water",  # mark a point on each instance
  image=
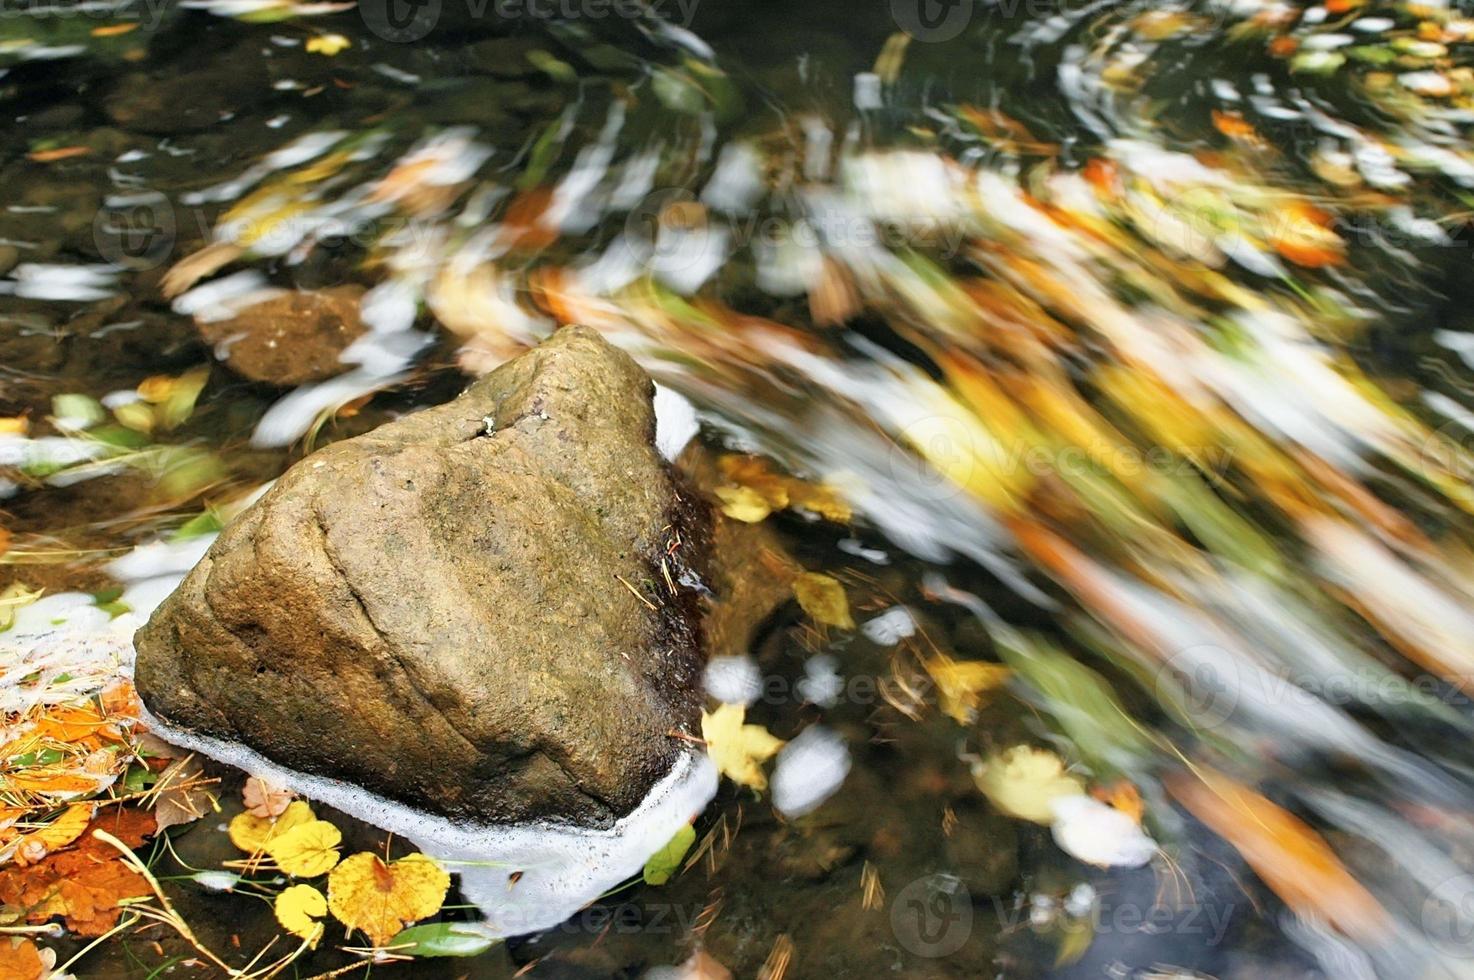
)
(1232, 261)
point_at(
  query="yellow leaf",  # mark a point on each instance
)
(327, 44)
(157, 388)
(738, 749)
(743, 504)
(306, 850)
(55, 835)
(138, 416)
(298, 909)
(251, 833)
(820, 498)
(1023, 781)
(961, 684)
(823, 599)
(779, 491)
(380, 899)
(753, 473)
(14, 425)
(179, 396)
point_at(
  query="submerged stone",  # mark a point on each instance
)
(494, 611)
(292, 338)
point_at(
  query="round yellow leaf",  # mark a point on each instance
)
(1024, 781)
(298, 909)
(306, 850)
(379, 899)
(251, 833)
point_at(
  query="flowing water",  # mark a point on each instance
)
(1133, 335)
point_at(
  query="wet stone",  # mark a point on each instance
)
(463, 610)
(291, 339)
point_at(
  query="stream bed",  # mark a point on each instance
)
(1124, 348)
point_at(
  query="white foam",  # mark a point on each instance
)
(78, 283)
(675, 422)
(733, 680)
(562, 867)
(159, 558)
(60, 611)
(890, 627)
(146, 595)
(1098, 834)
(290, 418)
(821, 684)
(810, 769)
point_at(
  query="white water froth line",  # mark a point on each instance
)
(562, 867)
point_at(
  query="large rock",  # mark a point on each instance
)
(468, 609)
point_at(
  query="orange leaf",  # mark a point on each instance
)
(61, 153)
(85, 725)
(1283, 46)
(1235, 127)
(20, 959)
(120, 701)
(84, 884)
(1123, 796)
(51, 781)
(1286, 853)
(522, 225)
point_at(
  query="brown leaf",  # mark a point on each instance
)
(182, 796)
(85, 883)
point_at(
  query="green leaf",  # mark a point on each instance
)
(45, 757)
(554, 67)
(442, 939)
(139, 778)
(118, 437)
(678, 92)
(198, 526)
(667, 861)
